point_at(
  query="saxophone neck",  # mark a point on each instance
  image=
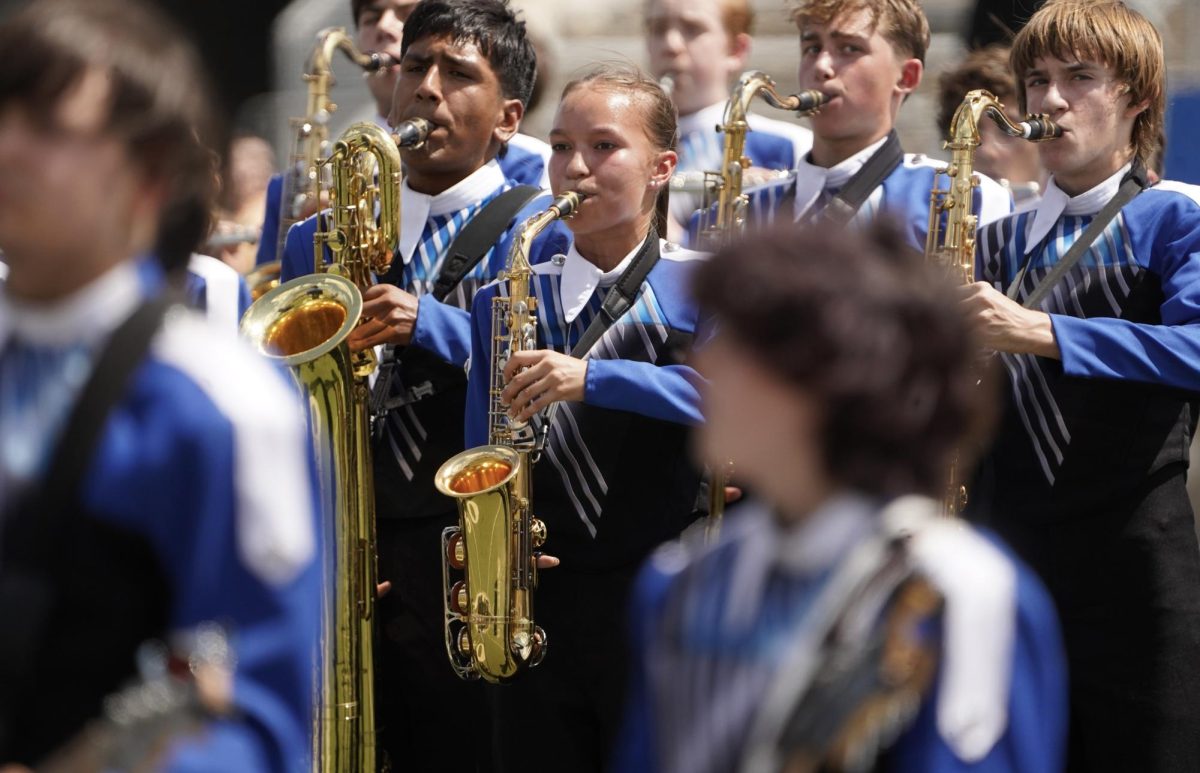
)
(563, 207)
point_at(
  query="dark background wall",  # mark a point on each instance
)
(234, 38)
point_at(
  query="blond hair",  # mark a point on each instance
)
(1108, 32)
(737, 16)
(902, 23)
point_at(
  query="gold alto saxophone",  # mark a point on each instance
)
(304, 325)
(310, 144)
(490, 631)
(722, 224)
(952, 245)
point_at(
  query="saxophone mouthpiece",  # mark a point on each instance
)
(411, 133)
(380, 62)
(809, 101)
(566, 203)
(1039, 127)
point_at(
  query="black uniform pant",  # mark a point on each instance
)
(563, 715)
(428, 718)
(1126, 582)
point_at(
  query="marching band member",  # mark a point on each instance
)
(839, 617)
(380, 28)
(467, 66)
(1010, 161)
(1091, 299)
(191, 499)
(614, 479)
(867, 56)
(702, 46)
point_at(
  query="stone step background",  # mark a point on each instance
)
(579, 33)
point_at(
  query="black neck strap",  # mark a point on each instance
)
(33, 529)
(622, 295)
(55, 500)
(1131, 185)
(845, 205)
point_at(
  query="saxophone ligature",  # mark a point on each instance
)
(489, 625)
(304, 324)
(724, 222)
(950, 239)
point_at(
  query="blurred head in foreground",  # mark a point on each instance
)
(840, 363)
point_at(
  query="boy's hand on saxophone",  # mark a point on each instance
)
(390, 314)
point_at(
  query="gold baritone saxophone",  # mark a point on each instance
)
(490, 631)
(950, 240)
(301, 193)
(304, 324)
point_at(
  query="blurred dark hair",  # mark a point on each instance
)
(860, 324)
(984, 68)
(489, 24)
(160, 104)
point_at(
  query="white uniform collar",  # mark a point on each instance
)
(416, 208)
(580, 278)
(382, 122)
(812, 179)
(85, 316)
(805, 549)
(703, 120)
(1055, 203)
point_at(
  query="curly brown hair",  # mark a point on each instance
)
(860, 324)
(985, 68)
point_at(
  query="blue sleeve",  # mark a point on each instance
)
(298, 257)
(442, 329)
(268, 241)
(273, 623)
(479, 373)
(667, 392)
(244, 298)
(523, 167)
(1168, 353)
(635, 747)
(1035, 738)
(273, 634)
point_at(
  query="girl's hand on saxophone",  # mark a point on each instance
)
(538, 377)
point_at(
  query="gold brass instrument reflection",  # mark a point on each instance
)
(950, 239)
(304, 324)
(490, 631)
(263, 279)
